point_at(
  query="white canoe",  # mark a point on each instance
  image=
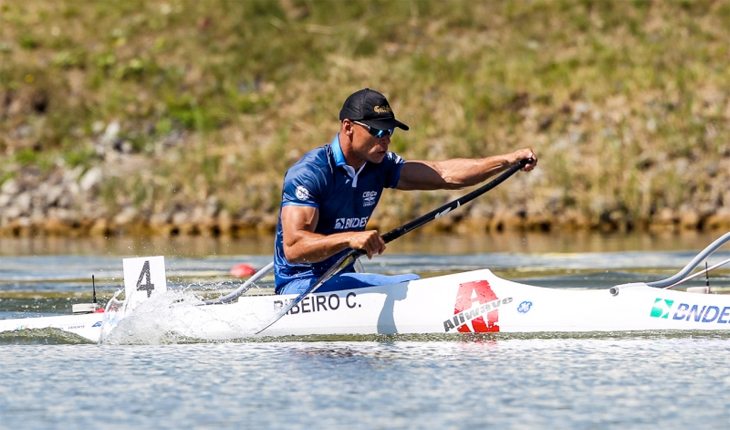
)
(87, 326)
(476, 301)
(467, 302)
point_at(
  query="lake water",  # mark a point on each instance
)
(577, 381)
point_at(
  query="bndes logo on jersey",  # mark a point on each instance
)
(347, 223)
(368, 198)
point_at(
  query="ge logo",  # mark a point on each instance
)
(524, 307)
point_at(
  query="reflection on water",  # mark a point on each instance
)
(412, 243)
(130, 246)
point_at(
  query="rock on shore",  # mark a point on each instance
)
(66, 202)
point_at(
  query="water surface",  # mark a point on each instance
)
(576, 381)
(573, 383)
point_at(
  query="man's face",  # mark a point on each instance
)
(369, 147)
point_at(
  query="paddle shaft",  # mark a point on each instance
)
(448, 207)
(353, 254)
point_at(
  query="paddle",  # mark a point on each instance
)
(354, 254)
(242, 288)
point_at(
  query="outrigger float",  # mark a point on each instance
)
(468, 302)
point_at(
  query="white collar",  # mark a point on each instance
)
(352, 173)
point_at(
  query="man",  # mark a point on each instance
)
(330, 193)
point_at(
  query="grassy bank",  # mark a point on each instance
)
(200, 106)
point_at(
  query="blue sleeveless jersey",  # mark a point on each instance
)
(345, 200)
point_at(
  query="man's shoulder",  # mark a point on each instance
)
(391, 162)
(316, 161)
(394, 158)
(313, 158)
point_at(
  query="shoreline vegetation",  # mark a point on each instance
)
(180, 118)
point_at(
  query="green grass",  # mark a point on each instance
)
(240, 89)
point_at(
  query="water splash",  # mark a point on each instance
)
(178, 317)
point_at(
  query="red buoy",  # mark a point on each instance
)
(242, 270)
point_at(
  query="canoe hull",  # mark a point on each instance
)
(469, 302)
(87, 326)
(479, 301)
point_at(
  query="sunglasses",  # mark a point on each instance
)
(376, 132)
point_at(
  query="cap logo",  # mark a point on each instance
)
(382, 109)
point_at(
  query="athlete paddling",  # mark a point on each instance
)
(330, 193)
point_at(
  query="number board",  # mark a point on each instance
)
(143, 278)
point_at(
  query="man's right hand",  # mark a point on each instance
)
(369, 241)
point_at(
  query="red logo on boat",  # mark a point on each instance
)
(470, 297)
(475, 301)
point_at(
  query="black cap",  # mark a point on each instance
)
(372, 108)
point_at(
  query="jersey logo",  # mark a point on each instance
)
(348, 223)
(368, 198)
(302, 193)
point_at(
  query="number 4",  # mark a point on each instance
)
(145, 276)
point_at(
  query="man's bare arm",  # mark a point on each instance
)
(303, 245)
(458, 172)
